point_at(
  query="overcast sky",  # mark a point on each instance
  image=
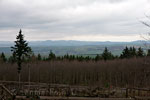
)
(87, 20)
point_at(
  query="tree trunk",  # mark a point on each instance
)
(19, 80)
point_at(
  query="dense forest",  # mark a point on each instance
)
(131, 68)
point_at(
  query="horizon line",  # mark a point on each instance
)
(75, 40)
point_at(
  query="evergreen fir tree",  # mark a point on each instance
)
(3, 57)
(98, 57)
(20, 50)
(51, 56)
(71, 57)
(125, 53)
(87, 58)
(106, 55)
(80, 58)
(140, 52)
(66, 56)
(133, 51)
(130, 52)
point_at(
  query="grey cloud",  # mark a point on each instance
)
(72, 17)
(114, 1)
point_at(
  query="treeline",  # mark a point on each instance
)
(128, 52)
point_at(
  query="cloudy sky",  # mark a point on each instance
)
(88, 20)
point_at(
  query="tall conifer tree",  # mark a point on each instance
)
(20, 50)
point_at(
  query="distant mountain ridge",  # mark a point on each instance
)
(63, 47)
(69, 43)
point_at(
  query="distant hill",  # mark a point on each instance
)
(70, 43)
(62, 47)
(79, 43)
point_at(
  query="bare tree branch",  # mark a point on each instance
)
(145, 23)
